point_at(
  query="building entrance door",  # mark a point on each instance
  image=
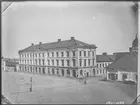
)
(74, 73)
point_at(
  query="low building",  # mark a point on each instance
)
(125, 67)
(103, 61)
(9, 64)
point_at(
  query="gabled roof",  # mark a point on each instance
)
(60, 44)
(105, 58)
(128, 63)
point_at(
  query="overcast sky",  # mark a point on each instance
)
(111, 26)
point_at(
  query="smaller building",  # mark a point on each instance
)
(10, 64)
(123, 69)
(103, 61)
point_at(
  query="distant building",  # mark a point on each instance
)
(68, 58)
(9, 64)
(125, 66)
(103, 61)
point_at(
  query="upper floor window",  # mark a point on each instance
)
(84, 53)
(48, 62)
(42, 54)
(53, 62)
(43, 61)
(89, 53)
(68, 62)
(39, 55)
(67, 53)
(36, 54)
(73, 53)
(93, 62)
(88, 62)
(52, 54)
(85, 62)
(92, 53)
(62, 54)
(80, 60)
(57, 54)
(80, 53)
(48, 55)
(100, 65)
(57, 62)
(74, 62)
(62, 62)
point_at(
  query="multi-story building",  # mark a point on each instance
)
(64, 58)
(103, 61)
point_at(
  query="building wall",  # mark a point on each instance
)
(53, 56)
(101, 67)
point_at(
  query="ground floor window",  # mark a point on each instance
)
(53, 71)
(93, 71)
(57, 71)
(62, 72)
(124, 76)
(49, 70)
(39, 70)
(112, 76)
(68, 72)
(36, 69)
(81, 72)
(30, 69)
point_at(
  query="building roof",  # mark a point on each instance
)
(119, 55)
(128, 63)
(105, 58)
(59, 44)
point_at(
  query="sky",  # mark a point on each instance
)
(111, 26)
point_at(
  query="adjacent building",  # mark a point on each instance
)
(125, 67)
(63, 58)
(103, 61)
(9, 64)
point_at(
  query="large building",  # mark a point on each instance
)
(64, 58)
(125, 66)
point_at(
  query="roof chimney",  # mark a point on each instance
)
(40, 42)
(104, 53)
(72, 38)
(59, 40)
(32, 44)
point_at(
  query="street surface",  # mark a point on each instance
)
(61, 90)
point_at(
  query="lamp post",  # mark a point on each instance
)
(30, 84)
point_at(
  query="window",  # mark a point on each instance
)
(30, 61)
(80, 60)
(84, 53)
(74, 62)
(48, 55)
(52, 54)
(39, 62)
(81, 72)
(39, 55)
(62, 54)
(36, 69)
(62, 62)
(93, 62)
(53, 62)
(39, 70)
(43, 70)
(88, 53)
(92, 53)
(42, 54)
(43, 62)
(100, 65)
(73, 53)
(80, 53)
(57, 62)
(88, 62)
(68, 62)
(48, 62)
(67, 54)
(36, 61)
(57, 54)
(48, 70)
(84, 62)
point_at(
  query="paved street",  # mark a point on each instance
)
(53, 89)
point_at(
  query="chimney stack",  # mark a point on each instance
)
(40, 42)
(59, 40)
(72, 38)
(104, 53)
(32, 44)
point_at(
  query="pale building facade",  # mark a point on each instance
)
(62, 58)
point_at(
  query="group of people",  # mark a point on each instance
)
(82, 78)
